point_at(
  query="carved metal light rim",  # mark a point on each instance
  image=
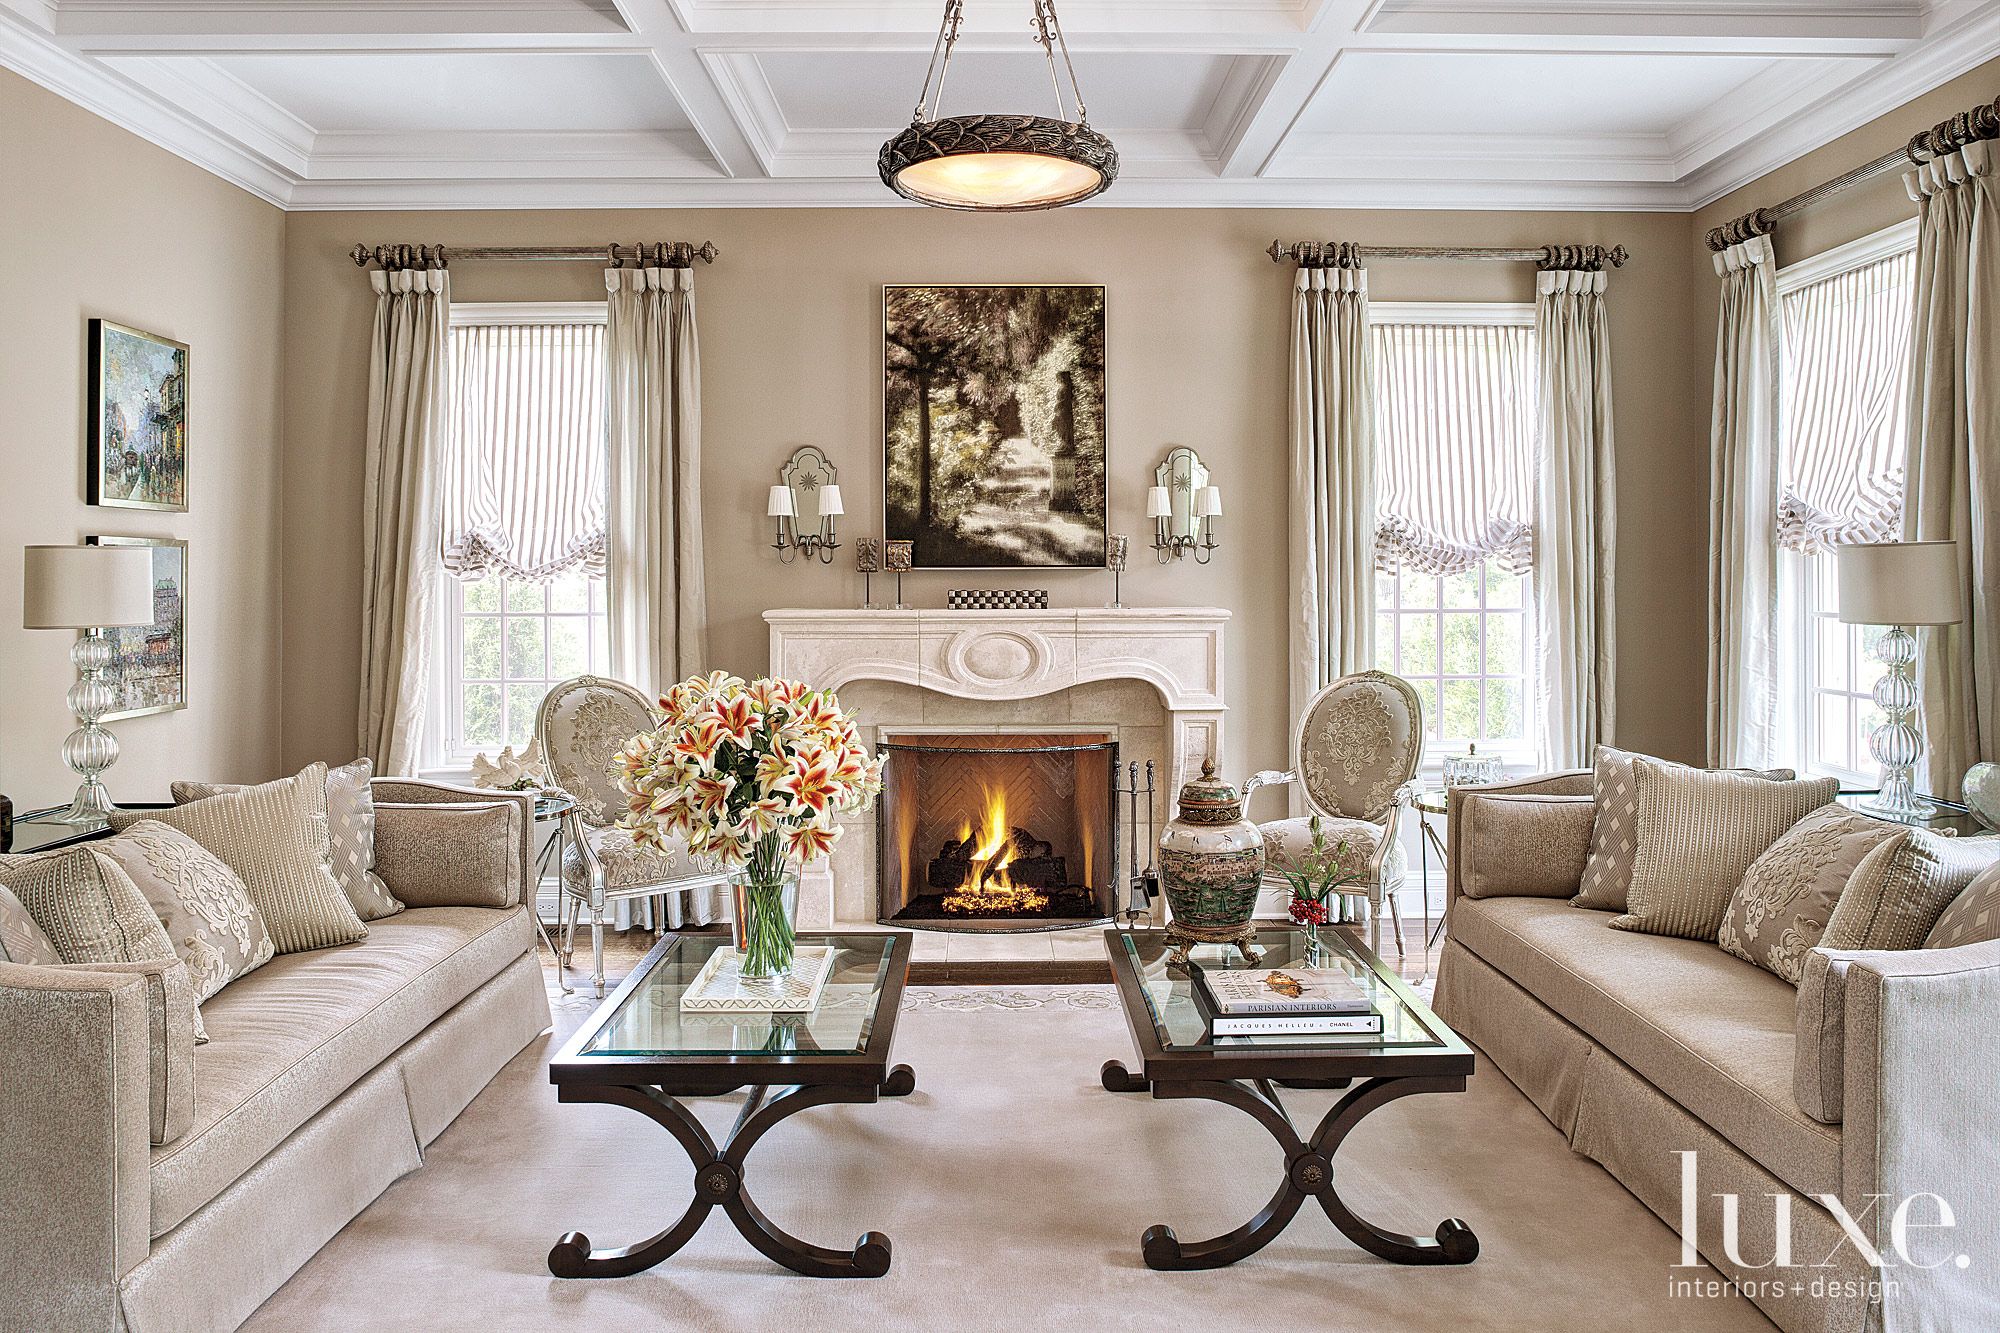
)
(983, 133)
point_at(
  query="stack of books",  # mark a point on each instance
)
(1283, 1001)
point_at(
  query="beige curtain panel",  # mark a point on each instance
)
(1743, 513)
(400, 510)
(1576, 519)
(1333, 481)
(524, 475)
(1454, 447)
(1954, 447)
(658, 612)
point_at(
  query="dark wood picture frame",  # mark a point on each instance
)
(166, 418)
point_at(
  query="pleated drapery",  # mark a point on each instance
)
(400, 510)
(658, 611)
(1575, 519)
(1454, 447)
(1743, 512)
(1845, 372)
(1953, 488)
(1332, 530)
(524, 480)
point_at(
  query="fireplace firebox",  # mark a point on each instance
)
(997, 832)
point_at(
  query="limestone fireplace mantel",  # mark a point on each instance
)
(1002, 657)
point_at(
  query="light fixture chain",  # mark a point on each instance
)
(1054, 27)
(954, 16)
(1043, 37)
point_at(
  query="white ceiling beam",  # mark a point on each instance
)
(371, 21)
(736, 18)
(689, 81)
(1777, 27)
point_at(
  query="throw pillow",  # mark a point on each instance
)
(1973, 917)
(1523, 846)
(1614, 835)
(452, 853)
(21, 940)
(1701, 832)
(215, 928)
(87, 906)
(1901, 889)
(274, 836)
(350, 820)
(1780, 910)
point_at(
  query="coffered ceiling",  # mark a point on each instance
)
(1335, 103)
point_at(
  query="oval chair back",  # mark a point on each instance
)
(582, 725)
(1358, 743)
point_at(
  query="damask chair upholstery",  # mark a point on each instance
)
(582, 725)
(1355, 754)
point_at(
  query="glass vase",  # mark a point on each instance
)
(764, 929)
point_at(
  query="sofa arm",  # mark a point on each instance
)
(75, 1197)
(453, 854)
(418, 791)
(1921, 1046)
(1461, 832)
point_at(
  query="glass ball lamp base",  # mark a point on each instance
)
(1898, 744)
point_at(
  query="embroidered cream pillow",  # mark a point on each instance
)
(1701, 833)
(215, 928)
(1781, 909)
(274, 837)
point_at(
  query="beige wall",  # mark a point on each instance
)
(96, 222)
(1198, 327)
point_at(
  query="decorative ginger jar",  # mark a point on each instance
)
(1211, 862)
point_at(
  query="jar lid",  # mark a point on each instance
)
(1209, 799)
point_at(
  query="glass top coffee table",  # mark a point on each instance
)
(1415, 1052)
(640, 1051)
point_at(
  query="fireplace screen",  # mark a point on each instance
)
(997, 832)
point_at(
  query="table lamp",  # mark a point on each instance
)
(1899, 584)
(91, 588)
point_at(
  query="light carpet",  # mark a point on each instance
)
(1014, 1190)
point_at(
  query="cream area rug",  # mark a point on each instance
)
(1014, 1190)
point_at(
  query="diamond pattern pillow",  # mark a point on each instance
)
(1614, 836)
(350, 826)
(214, 926)
(21, 940)
(1781, 908)
(1973, 917)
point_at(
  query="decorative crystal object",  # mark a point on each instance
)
(90, 749)
(1898, 743)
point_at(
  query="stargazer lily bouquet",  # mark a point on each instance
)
(748, 774)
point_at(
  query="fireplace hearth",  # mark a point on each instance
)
(995, 832)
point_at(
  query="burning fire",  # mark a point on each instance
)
(987, 887)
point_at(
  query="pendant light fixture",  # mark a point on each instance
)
(998, 163)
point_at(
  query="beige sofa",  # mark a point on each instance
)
(1640, 1048)
(325, 1076)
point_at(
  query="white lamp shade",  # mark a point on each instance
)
(780, 503)
(86, 587)
(1208, 502)
(1899, 583)
(829, 502)
(1158, 505)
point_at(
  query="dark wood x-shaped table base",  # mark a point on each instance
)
(1308, 1172)
(718, 1182)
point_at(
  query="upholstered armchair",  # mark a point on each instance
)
(1355, 754)
(582, 725)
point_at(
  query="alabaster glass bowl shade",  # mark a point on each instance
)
(999, 180)
(998, 164)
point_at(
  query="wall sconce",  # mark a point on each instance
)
(808, 488)
(1183, 507)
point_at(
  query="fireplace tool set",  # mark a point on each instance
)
(1144, 885)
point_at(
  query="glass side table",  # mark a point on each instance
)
(1430, 803)
(1952, 819)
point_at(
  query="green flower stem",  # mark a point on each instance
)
(769, 934)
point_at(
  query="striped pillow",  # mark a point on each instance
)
(274, 837)
(1902, 888)
(87, 907)
(1702, 832)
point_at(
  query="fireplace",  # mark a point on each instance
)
(990, 832)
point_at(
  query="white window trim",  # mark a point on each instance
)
(437, 764)
(1795, 697)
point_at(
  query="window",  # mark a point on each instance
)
(1457, 463)
(524, 522)
(1845, 367)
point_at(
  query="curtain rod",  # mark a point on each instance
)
(667, 254)
(1982, 122)
(1346, 254)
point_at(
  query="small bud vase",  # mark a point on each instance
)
(763, 926)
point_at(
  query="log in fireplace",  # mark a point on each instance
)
(982, 831)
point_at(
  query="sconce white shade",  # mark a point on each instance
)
(1899, 583)
(780, 504)
(1208, 502)
(86, 587)
(829, 502)
(1158, 505)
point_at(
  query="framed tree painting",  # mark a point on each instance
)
(993, 425)
(138, 419)
(148, 670)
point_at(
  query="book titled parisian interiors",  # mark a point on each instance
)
(1284, 1000)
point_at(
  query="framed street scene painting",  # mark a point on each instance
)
(149, 662)
(993, 425)
(138, 419)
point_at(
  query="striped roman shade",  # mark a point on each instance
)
(1846, 365)
(524, 474)
(1455, 446)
